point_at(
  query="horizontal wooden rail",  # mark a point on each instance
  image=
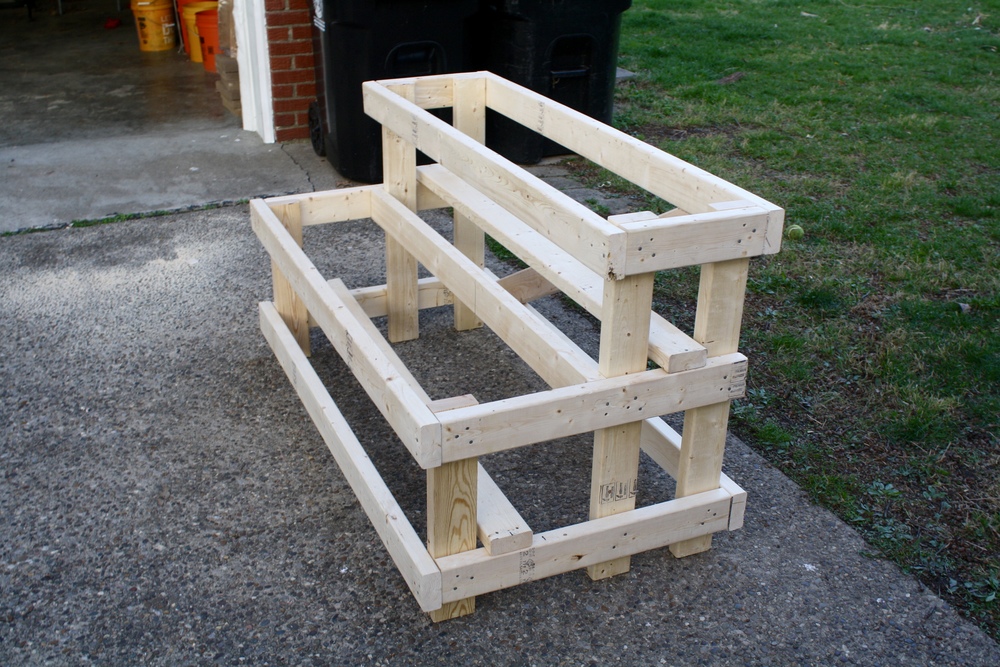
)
(431, 293)
(701, 238)
(431, 92)
(331, 206)
(587, 236)
(669, 347)
(583, 544)
(419, 571)
(532, 418)
(676, 181)
(382, 377)
(555, 358)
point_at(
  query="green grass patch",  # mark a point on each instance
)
(874, 341)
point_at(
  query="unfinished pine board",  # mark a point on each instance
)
(397, 399)
(399, 158)
(289, 305)
(670, 348)
(451, 521)
(431, 293)
(592, 239)
(585, 544)
(717, 326)
(432, 92)
(331, 206)
(678, 182)
(504, 314)
(624, 342)
(417, 567)
(606, 266)
(528, 285)
(504, 424)
(452, 517)
(500, 527)
(663, 444)
(469, 118)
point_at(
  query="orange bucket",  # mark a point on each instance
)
(181, 4)
(208, 33)
(190, 12)
(154, 21)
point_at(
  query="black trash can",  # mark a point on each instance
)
(566, 50)
(359, 40)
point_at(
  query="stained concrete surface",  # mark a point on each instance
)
(165, 500)
(93, 127)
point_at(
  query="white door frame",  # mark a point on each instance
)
(253, 57)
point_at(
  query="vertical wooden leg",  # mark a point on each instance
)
(451, 521)
(471, 241)
(703, 440)
(624, 349)
(469, 111)
(399, 169)
(401, 292)
(286, 301)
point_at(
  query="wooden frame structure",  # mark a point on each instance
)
(605, 265)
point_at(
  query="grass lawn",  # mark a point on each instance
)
(874, 341)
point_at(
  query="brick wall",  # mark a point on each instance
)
(293, 77)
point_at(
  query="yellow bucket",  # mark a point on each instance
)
(191, 26)
(154, 19)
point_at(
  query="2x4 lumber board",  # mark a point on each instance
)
(527, 285)
(427, 200)
(558, 361)
(701, 238)
(399, 164)
(405, 548)
(678, 182)
(672, 349)
(499, 525)
(452, 515)
(451, 521)
(555, 264)
(717, 322)
(584, 544)
(345, 204)
(431, 293)
(722, 288)
(614, 480)
(487, 428)
(293, 311)
(401, 403)
(374, 341)
(587, 236)
(469, 117)
(669, 347)
(432, 92)
(663, 444)
(318, 208)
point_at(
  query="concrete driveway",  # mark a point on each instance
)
(166, 500)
